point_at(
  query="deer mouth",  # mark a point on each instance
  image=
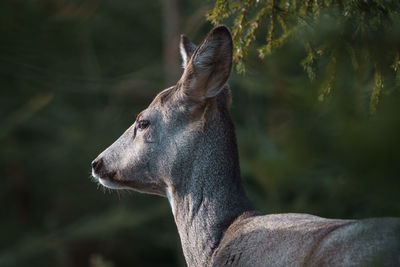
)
(114, 180)
(111, 183)
(108, 180)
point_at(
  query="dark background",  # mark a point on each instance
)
(74, 75)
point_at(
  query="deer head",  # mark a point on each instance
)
(157, 149)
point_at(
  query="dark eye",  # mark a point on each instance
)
(143, 124)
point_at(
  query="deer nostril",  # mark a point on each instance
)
(97, 164)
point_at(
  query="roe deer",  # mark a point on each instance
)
(183, 146)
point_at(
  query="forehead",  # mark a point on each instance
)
(159, 104)
(163, 96)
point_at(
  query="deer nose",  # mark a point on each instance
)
(97, 164)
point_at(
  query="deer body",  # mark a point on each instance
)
(183, 146)
(306, 240)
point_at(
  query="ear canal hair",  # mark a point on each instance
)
(209, 68)
(187, 48)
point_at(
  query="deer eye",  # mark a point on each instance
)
(143, 124)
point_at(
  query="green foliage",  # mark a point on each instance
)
(326, 29)
(309, 141)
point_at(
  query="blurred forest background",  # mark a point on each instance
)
(318, 125)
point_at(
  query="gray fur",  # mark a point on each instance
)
(189, 153)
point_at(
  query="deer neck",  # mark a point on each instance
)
(210, 195)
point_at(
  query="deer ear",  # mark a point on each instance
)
(187, 49)
(208, 69)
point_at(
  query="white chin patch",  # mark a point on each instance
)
(111, 185)
(170, 199)
(107, 183)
